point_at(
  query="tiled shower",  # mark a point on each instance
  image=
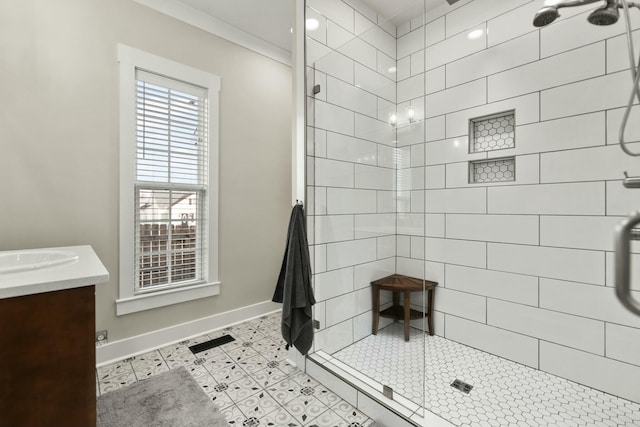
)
(467, 147)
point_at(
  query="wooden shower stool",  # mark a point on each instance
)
(397, 283)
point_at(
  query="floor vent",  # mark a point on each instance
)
(207, 345)
(462, 386)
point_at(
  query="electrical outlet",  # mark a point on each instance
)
(101, 338)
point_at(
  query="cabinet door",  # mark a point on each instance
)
(47, 359)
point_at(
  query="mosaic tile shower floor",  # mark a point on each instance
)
(248, 379)
(504, 393)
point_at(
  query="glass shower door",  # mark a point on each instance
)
(365, 201)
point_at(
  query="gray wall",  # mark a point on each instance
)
(59, 144)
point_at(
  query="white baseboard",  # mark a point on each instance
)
(118, 350)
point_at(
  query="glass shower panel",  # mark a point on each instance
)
(365, 197)
(411, 231)
(461, 145)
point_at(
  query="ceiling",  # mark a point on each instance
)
(271, 20)
(399, 11)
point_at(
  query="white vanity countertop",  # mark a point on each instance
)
(86, 270)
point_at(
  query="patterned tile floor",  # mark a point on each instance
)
(248, 379)
(504, 393)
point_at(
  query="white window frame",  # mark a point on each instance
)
(128, 301)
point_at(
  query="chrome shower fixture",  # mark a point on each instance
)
(604, 15)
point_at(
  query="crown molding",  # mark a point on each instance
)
(185, 13)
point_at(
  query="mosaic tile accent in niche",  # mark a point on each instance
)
(495, 132)
(498, 170)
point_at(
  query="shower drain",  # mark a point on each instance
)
(462, 386)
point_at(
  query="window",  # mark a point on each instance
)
(168, 182)
(171, 182)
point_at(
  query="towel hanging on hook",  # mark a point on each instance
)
(293, 288)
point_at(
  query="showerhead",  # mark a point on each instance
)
(545, 16)
(549, 11)
(605, 15)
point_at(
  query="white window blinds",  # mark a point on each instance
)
(171, 182)
(171, 132)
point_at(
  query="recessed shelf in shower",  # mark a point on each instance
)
(492, 132)
(492, 170)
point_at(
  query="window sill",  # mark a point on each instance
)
(164, 298)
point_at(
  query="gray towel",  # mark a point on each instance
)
(294, 285)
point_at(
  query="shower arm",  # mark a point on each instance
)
(565, 3)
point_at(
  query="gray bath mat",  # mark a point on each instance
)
(169, 399)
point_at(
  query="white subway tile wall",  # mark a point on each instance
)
(525, 268)
(510, 345)
(356, 158)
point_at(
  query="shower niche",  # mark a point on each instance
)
(494, 170)
(492, 133)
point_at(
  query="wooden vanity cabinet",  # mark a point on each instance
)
(47, 359)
